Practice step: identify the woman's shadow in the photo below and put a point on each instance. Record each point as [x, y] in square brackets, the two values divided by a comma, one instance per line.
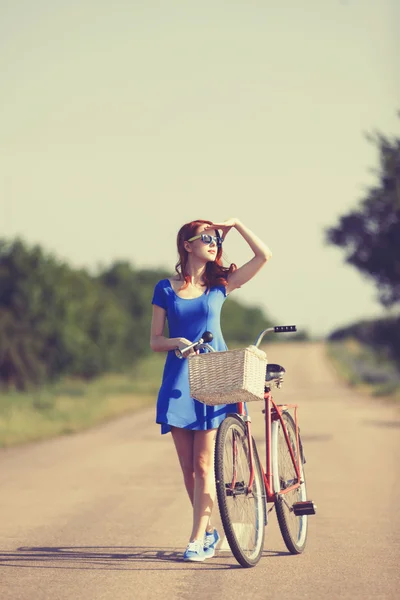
[118, 558]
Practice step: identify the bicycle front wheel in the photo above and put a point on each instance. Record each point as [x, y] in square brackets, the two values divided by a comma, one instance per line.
[243, 511]
[293, 528]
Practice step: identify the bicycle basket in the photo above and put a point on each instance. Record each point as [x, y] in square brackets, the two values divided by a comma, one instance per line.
[228, 377]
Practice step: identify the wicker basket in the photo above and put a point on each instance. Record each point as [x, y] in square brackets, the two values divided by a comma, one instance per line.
[228, 377]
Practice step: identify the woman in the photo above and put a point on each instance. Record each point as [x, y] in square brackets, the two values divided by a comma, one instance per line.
[191, 303]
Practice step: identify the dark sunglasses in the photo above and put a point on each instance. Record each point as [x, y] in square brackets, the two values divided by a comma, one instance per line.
[207, 239]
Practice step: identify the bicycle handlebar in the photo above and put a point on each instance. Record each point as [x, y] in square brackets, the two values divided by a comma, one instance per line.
[207, 337]
[276, 329]
[203, 342]
[285, 328]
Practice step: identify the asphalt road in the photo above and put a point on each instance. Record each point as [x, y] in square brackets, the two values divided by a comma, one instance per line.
[103, 514]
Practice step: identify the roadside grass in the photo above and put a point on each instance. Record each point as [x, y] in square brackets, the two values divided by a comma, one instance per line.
[365, 369]
[72, 405]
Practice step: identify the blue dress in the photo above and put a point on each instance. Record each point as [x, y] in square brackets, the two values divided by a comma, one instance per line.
[188, 318]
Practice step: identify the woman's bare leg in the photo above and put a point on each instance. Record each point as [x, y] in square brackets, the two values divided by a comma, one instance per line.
[204, 482]
[184, 441]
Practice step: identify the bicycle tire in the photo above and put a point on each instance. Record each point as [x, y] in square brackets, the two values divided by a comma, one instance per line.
[293, 528]
[245, 539]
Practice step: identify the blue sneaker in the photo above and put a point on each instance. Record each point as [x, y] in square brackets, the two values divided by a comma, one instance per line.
[194, 551]
[210, 542]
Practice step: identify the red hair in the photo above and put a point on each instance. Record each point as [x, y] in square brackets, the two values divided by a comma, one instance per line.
[215, 273]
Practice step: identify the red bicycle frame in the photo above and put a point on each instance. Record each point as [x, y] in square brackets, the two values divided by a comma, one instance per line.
[273, 412]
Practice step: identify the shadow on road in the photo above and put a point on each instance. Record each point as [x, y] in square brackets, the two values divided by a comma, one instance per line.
[113, 558]
[390, 424]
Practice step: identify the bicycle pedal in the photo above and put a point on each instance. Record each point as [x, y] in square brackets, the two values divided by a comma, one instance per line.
[304, 508]
[239, 490]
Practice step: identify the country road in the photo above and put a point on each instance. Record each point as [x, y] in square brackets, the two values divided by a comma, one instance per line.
[103, 514]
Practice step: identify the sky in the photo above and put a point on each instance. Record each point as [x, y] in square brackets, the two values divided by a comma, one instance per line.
[120, 121]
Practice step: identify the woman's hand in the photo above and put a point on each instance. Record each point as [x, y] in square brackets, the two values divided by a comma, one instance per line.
[225, 226]
[182, 343]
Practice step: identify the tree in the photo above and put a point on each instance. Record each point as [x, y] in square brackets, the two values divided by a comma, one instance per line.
[242, 324]
[133, 289]
[55, 320]
[370, 234]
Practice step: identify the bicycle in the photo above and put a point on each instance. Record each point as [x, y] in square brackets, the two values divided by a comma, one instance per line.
[244, 487]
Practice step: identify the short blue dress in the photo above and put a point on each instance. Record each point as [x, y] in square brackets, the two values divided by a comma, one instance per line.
[188, 318]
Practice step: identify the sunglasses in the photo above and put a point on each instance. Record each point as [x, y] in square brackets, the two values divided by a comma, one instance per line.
[207, 239]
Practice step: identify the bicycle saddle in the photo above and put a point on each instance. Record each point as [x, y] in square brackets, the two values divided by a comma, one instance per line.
[274, 372]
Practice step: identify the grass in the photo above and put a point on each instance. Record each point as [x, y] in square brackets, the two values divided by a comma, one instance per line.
[72, 405]
[365, 369]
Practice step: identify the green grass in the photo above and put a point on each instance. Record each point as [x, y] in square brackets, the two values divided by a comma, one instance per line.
[72, 405]
[365, 369]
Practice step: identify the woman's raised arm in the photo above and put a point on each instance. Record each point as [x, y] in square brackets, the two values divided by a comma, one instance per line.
[261, 253]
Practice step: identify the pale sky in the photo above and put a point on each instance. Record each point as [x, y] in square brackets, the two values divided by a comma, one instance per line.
[122, 120]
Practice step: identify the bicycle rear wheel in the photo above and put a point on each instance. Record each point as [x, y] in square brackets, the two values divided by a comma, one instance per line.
[293, 528]
[243, 512]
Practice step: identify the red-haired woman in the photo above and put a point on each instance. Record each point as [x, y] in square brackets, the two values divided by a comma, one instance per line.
[191, 302]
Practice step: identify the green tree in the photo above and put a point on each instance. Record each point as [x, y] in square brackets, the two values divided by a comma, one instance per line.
[370, 234]
[242, 324]
[134, 291]
[54, 319]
